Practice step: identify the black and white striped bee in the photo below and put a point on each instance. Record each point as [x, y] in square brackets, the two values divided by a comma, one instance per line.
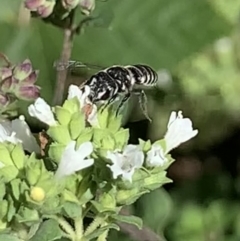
[110, 83]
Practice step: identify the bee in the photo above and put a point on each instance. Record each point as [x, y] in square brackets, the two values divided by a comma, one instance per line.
[108, 84]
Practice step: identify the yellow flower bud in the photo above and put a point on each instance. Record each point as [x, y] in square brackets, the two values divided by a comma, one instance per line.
[37, 194]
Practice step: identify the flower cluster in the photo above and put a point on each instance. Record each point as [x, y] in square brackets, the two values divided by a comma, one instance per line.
[88, 166]
[17, 82]
[44, 8]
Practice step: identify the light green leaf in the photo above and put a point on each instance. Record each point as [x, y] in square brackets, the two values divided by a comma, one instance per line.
[76, 125]
[59, 134]
[121, 137]
[85, 135]
[15, 185]
[9, 237]
[3, 208]
[55, 151]
[5, 155]
[18, 156]
[9, 172]
[72, 105]
[2, 188]
[62, 114]
[48, 231]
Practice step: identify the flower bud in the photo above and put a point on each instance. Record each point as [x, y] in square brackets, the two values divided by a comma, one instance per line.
[34, 4]
[4, 100]
[37, 194]
[5, 72]
[70, 4]
[22, 70]
[87, 6]
[32, 78]
[46, 9]
[31, 92]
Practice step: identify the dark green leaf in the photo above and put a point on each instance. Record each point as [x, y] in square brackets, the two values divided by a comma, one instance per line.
[48, 231]
[129, 219]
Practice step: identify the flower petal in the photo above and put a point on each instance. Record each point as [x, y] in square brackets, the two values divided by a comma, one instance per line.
[72, 160]
[85, 149]
[23, 132]
[42, 111]
[179, 130]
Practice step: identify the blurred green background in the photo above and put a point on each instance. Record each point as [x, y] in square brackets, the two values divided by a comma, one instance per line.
[195, 47]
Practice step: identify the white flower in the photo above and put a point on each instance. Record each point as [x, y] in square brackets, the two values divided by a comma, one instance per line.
[179, 130]
[23, 132]
[7, 135]
[74, 160]
[42, 111]
[74, 91]
[125, 163]
[18, 131]
[155, 156]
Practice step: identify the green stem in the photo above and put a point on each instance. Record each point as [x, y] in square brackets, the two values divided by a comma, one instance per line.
[65, 226]
[78, 223]
[93, 226]
[103, 236]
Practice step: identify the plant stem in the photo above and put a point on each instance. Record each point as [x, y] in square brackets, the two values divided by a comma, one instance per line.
[103, 236]
[78, 223]
[93, 226]
[62, 73]
[65, 226]
[69, 33]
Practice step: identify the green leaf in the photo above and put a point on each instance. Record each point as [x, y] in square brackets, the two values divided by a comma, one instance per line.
[85, 135]
[127, 197]
[9, 172]
[145, 145]
[27, 215]
[72, 105]
[59, 134]
[48, 231]
[114, 122]
[11, 209]
[2, 188]
[55, 151]
[121, 137]
[5, 155]
[72, 209]
[128, 219]
[103, 117]
[62, 114]
[33, 229]
[3, 208]
[99, 135]
[156, 180]
[174, 28]
[15, 185]
[9, 237]
[77, 124]
[100, 231]
[86, 197]
[18, 156]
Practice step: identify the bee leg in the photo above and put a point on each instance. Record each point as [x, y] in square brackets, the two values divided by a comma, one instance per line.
[124, 99]
[143, 103]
